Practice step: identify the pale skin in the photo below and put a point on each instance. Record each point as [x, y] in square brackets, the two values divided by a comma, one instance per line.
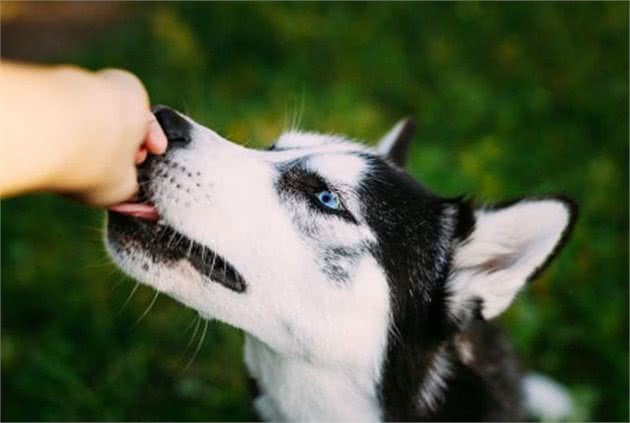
[74, 132]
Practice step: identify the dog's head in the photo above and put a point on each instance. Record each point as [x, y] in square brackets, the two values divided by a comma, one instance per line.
[321, 247]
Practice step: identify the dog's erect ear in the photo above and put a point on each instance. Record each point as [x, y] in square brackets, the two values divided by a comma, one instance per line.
[395, 144]
[508, 246]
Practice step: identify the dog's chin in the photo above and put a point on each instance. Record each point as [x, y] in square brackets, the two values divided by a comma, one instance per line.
[164, 246]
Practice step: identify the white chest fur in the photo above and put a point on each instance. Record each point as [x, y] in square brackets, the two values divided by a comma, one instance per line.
[295, 389]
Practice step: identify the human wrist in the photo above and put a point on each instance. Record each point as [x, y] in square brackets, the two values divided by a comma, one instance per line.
[40, 128]
[67, 89]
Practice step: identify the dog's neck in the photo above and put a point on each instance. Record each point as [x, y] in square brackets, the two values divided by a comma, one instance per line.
[295, 389]
[459, 381]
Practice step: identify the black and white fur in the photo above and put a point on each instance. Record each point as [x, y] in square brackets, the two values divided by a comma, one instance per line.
[379, 312]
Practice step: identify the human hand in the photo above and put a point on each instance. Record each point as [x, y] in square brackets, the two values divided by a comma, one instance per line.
[125, 135]
[75, 132]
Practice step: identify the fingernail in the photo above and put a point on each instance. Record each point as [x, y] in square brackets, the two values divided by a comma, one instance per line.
[157, 137]
[162, 140]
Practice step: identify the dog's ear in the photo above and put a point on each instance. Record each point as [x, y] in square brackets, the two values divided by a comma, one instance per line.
[395, 144]
[507, 246]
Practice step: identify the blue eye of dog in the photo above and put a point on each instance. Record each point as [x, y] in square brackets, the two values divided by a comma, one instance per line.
[329, 199]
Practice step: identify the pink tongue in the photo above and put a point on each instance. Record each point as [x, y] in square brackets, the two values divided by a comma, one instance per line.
[140, 210]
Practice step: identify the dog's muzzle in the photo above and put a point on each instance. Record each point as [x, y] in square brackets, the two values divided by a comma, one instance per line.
[136, 222]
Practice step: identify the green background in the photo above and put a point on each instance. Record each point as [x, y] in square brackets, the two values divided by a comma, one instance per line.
[511, 99]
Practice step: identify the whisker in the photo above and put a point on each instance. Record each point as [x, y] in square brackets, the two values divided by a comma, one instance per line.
[133, 291]
[199, 344]
[294, 115]
[192, 337]
[157, 293]
[214, 259]
[97, 264]
[286, 121]
[300, 115]
[203, 254]
[173, 237]
[119, 281]
[190, 247]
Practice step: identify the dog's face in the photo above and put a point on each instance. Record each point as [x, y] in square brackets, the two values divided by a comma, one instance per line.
[275, 242]
[321, 247]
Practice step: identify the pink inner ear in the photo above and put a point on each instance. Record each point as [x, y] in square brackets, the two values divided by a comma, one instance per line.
[497, 263]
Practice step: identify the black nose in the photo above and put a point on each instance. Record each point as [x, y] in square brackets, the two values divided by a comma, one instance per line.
[174, 125]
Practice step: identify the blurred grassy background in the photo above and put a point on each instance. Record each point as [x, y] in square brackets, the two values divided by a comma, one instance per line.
[511, 99]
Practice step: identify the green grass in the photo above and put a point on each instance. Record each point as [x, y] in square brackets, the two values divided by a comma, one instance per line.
[512, 99]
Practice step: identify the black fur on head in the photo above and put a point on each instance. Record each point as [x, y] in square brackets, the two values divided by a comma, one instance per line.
[414, 231]
[417, 235]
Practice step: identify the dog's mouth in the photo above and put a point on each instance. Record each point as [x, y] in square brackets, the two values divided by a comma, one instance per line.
[139, 210]
[136, 224]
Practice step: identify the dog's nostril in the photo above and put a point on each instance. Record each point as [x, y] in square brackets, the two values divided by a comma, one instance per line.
[178, 141]
[174, 125]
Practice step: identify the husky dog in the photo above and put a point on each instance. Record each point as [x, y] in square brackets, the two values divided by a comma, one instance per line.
[363, 295]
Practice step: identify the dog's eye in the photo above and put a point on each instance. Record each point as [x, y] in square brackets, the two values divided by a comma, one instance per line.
[329, 199]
